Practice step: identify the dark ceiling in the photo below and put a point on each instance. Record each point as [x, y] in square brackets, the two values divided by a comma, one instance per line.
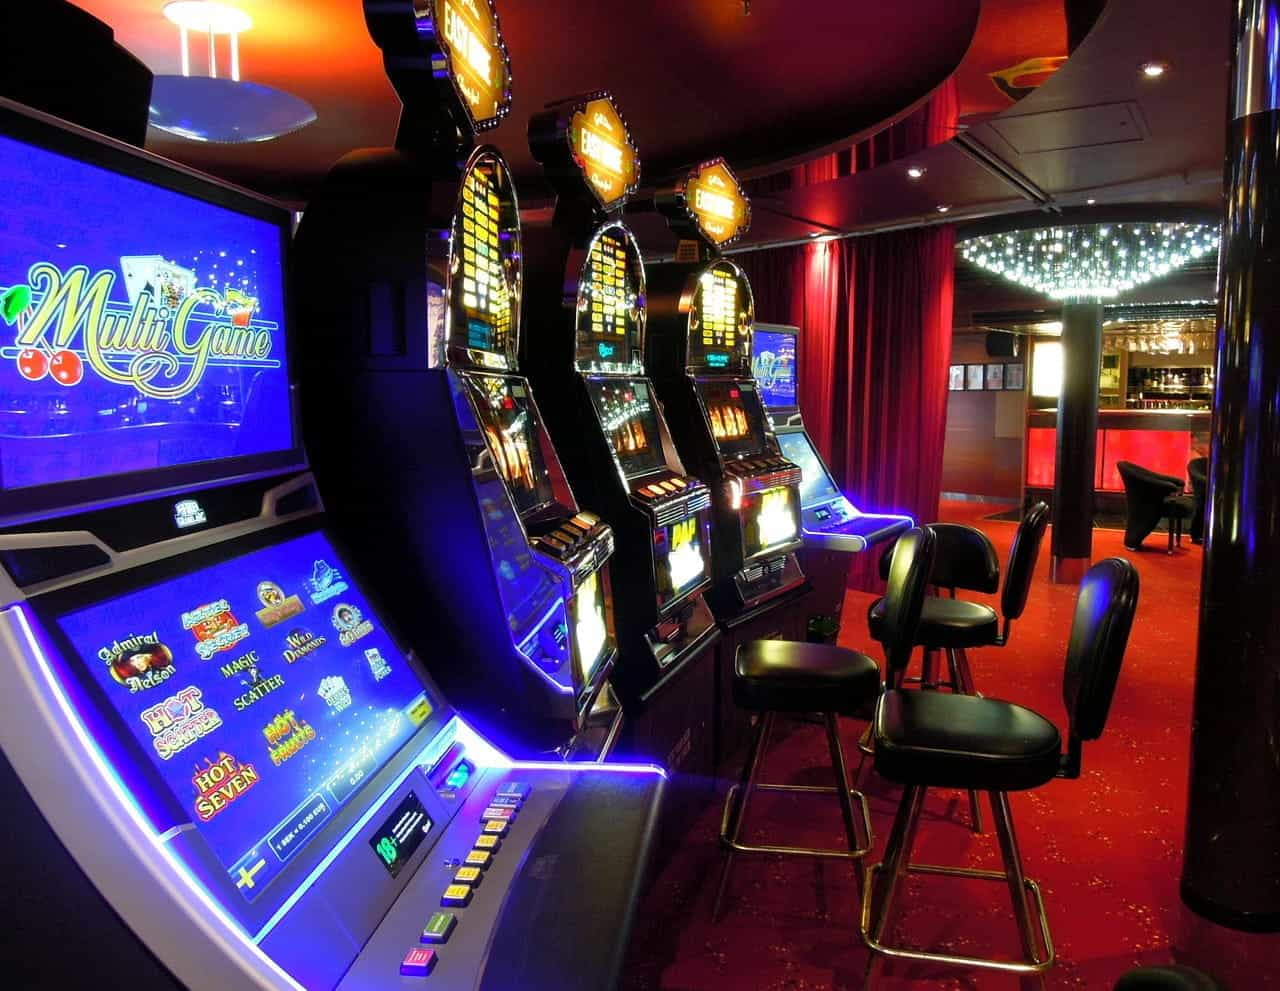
[693, 78]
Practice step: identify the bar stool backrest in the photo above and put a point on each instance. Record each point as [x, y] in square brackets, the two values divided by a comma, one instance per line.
[913, 558]
[966, 560]
[1022, 561]
[1099, 634]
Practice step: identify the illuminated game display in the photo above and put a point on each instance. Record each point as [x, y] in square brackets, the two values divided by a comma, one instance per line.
[720, 317]
[610, 299]
[511, 429]
[713, 199]
[773, 365]
[140, 328]
[603, 151]
[485, 275]
[627, 412]
[478, 64]
[263, 689]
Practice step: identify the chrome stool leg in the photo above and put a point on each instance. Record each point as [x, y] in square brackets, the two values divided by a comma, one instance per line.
[896, 857]
[735, 807]
[1030, 913]
[746, 782]
[961, 684]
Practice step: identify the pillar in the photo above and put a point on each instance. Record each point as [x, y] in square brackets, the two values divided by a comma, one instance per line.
[1073, 477]
[1231, 862]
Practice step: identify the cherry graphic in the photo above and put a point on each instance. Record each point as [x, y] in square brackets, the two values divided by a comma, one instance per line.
[66, 368]
[33, 365]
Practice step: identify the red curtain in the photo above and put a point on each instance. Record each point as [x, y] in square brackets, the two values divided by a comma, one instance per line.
[875, 316]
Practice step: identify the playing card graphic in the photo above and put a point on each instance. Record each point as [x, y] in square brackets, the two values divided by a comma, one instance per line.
[168, 284]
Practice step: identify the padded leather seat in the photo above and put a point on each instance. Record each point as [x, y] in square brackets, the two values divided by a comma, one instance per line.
[787, 676]
[964, 741]
[946, 623]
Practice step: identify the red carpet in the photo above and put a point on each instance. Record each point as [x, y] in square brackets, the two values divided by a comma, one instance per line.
[1106, 848]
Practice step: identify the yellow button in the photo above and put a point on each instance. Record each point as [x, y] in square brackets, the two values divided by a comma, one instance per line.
[497, 827]
[468, 875]
[479, 858]
[488, 842]
[456, 894]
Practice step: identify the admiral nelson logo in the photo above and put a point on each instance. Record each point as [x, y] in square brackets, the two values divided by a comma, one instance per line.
[325, 582]
[161, 342]
[350, 624]
[138, 662]
[215, 628]
[276, 606]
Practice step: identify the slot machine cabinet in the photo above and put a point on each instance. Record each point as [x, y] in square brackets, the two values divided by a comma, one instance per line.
[834, 528]
[584, 350]
[698, 350]
[221, 763]
[409, 283]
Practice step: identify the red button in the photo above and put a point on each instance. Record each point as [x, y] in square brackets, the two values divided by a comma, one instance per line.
[418, 962]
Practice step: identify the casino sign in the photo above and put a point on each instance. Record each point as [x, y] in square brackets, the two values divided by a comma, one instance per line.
[603, 151]
[475, 58]
[716, 203]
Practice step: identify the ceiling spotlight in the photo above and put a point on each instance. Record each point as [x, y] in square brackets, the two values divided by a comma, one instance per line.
[1154, 70]
[1090, 201]
[943, 208]
[208, 16]
[916, 171]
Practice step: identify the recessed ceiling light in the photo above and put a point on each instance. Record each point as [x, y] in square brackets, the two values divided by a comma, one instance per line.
[208, 16]
[916, 171]
[1154, 70]
[943, 208]
[1090, 201]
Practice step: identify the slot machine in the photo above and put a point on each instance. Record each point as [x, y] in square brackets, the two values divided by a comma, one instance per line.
[833, 527]
[410, 283]
[698, 350]
[585, 352]
[222, 765]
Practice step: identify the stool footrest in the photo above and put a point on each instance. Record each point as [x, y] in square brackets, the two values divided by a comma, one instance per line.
[1038, 964]
[864, 843]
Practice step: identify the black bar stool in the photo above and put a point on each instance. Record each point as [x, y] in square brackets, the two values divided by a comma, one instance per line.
[966, 560]
[940, 740]
[775, 677]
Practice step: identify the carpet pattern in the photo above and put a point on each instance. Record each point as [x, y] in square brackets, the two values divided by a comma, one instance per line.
[1106, 848]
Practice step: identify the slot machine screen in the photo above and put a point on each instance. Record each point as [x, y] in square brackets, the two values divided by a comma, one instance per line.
[264, 690]
[773, 366]
[733, 410]
[721, 316]
[485, 293]
[681, 557]
[512, 432]
[590, 627]
[610, 300]
[627, 412]
[816, 485]
[142, 320]
[770, 519]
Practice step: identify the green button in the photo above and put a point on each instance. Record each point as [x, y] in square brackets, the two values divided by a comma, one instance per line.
[439, 927]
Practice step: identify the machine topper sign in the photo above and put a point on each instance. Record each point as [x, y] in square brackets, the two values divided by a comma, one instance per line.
[717, 203]
[471, 38]
[602, 149]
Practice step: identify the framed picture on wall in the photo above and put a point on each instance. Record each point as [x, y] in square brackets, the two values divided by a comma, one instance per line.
[1015, 377]
[995, 376]
[973, 377]
[956, 382]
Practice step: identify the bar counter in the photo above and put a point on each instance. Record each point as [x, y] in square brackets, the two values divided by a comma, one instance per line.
[1162, 440]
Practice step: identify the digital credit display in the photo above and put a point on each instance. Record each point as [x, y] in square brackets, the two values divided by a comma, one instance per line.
[720, 320]
[140, 328]
[816, 485]
[611, 309]
[486, 245]
[263, 689]
[513, 435]
[629, 416]
[773, 366]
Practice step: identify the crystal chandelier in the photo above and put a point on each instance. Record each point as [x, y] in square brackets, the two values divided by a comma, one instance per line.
[1091, 261]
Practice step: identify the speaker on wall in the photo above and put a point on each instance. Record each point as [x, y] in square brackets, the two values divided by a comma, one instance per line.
[1001, 344]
